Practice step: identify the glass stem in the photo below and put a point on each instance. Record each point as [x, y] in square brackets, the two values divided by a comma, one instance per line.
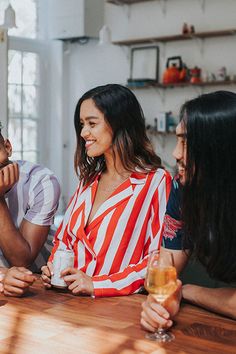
[161, 331]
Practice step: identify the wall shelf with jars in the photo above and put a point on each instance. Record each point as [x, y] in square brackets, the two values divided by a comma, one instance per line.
[177, 37]
[143, 85]
[126, 2]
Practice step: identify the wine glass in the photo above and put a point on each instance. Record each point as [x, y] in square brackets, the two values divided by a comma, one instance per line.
[161, 282]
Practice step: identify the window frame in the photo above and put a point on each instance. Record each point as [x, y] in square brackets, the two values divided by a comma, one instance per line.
[38, 47]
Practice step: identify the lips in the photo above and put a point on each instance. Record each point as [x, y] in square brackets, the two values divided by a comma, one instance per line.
[88, 143]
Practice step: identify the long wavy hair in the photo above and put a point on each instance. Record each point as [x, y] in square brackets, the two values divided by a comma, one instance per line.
[209, 194]
[124, 115]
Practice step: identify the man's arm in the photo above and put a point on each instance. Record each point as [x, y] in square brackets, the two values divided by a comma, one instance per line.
[221, 300]
[20, 246]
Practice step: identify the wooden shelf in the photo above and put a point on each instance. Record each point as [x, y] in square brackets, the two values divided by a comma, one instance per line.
[177, 37]
[181, 84]
[126, 2]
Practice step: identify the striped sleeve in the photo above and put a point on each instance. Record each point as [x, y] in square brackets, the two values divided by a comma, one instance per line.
[44, 199]
[131, 278]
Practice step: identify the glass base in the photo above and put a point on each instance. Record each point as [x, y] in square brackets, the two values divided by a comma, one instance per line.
[160, 336]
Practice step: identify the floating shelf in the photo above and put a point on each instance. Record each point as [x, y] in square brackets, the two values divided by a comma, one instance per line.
[181, 84]
[177, 37]
[126, 2]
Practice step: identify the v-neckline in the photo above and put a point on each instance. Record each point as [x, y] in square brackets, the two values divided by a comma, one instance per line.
[95, 185]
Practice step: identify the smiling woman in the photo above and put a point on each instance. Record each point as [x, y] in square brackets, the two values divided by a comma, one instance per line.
[115, 216]
[95, 131]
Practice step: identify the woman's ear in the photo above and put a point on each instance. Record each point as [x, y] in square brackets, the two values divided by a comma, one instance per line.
[8, 147]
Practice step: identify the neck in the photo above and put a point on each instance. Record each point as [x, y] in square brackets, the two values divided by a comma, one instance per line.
[115, 168]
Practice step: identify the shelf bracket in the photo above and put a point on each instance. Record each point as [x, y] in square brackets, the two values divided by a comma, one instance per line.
[163, 6]
[199, 90]
[127, 52]
[162, 46]
[127, 10]
[203, 5]
[162, 94]
[200, 43]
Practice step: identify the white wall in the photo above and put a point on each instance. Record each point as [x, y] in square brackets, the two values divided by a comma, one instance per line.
[88, 65]
[3, 79]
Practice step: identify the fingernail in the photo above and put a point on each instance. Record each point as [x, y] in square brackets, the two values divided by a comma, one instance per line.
[166, 315]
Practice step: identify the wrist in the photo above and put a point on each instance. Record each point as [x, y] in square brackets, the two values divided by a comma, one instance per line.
[190, 292]
[3, 272]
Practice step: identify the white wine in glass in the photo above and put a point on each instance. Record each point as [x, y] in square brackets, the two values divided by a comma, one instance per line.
[161, 282]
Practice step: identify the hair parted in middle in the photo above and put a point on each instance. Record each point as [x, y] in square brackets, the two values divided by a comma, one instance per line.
[124, 115]
[209, 194]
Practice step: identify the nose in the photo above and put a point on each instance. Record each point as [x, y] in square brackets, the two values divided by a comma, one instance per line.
[178, 151]
[84, 132]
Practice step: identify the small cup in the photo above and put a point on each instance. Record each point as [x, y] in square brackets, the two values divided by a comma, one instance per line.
[62, 260]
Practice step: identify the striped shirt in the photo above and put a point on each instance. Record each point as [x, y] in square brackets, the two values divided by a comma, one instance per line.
[34, 198]
[113, 248]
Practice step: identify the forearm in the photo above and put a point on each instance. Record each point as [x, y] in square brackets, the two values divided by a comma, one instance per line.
[13, 245]
[126, 282]
[221, 300]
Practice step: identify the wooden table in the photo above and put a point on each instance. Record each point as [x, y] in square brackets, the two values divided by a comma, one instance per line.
[48, 321]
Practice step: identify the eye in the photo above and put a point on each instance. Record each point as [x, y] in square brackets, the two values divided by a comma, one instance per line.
[92, 124]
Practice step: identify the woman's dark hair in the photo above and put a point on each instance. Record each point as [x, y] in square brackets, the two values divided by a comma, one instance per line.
[209, 194]
[124, 114]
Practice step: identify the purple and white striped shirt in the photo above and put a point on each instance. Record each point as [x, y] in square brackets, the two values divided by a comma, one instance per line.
[34, 197]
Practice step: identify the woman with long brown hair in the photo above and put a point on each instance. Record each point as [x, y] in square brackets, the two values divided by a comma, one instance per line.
[115, 216]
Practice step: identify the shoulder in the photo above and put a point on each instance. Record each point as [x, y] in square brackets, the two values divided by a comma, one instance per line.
[160, 176]
[35, 174]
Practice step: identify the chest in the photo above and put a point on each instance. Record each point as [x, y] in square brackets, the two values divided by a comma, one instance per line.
[100, 197]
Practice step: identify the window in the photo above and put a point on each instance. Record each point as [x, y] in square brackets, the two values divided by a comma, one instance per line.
[23, 105]
[24, 73]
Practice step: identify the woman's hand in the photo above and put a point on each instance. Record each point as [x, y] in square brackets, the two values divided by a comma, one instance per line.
[78, 282]
[47, 272]
[155, 315]
[17, 280]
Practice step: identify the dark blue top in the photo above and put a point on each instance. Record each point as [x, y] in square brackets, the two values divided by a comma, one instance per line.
[173, 226]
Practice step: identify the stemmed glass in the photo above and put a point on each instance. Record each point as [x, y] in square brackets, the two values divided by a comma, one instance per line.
[161, 282]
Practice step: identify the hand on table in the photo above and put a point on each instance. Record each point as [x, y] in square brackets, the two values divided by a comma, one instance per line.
[47, 272]
[9, 175]
[155, 315]
[16, 281]
[78, 282]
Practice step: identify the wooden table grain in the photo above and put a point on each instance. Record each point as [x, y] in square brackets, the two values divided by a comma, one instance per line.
[48, 322]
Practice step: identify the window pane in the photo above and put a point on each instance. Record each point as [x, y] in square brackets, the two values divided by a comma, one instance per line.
[30, 68]
[14, 100]
[14, 67]
[3, 6]
[30, 104]
[29, 135]
[16, 155]
[31, 156]
[14, 133]
[26, 18]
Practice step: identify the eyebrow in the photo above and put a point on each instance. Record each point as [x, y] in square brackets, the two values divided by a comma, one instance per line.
[88, 118]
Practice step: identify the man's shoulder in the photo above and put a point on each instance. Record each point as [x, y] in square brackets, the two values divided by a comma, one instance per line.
[33, 169]
[33, 174]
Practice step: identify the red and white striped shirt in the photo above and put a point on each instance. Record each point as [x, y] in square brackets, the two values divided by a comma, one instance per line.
[113, 248]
